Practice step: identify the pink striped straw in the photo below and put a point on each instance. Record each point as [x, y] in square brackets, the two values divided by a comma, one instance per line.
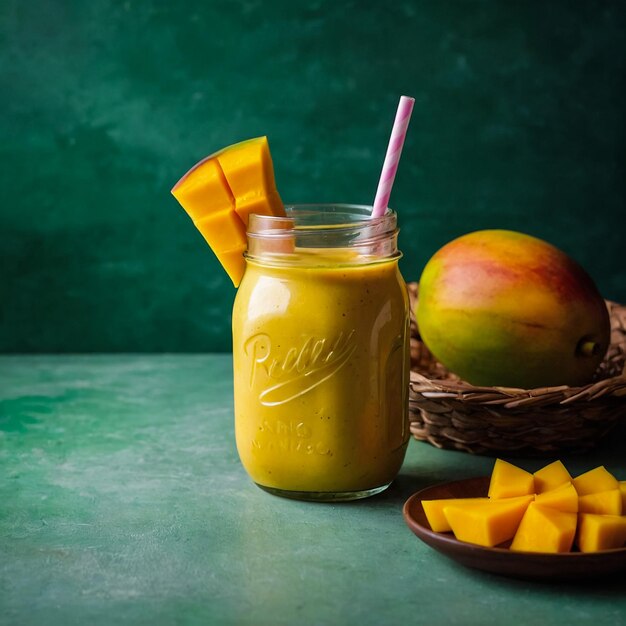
[394, 150]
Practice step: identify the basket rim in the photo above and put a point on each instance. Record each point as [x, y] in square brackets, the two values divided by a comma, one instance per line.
[512, 397]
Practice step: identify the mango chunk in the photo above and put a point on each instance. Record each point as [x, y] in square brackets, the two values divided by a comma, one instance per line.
[563, 498]
[595, 480]
[222, 230]
[622, 488]
[487, 523]
[435, 515]
[271, 204]
[220, 193]
[545, 530]
[551, 476]
[508, 481]
[204, 190]
[601, 503]
[234, 263]
[600, 532]
[249, 172]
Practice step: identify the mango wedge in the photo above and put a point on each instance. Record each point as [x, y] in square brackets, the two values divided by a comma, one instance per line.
[220, 193]
[545, 530]
[563, 498]
[508, 481]
[551, 476]
[487, 523]
[595, 480]
[435, 515]
[600, 532]
[603, 502]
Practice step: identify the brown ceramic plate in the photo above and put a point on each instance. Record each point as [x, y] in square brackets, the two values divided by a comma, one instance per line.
[500, 560]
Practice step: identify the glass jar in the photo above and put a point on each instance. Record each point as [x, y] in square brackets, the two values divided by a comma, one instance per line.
[321, 353]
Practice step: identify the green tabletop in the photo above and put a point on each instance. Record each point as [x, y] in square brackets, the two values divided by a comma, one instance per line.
[122, 501]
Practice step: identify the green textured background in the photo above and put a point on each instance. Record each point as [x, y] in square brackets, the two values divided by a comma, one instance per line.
[518, 123]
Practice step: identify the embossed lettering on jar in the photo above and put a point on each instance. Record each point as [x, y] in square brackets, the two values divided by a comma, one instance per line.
[320, 351]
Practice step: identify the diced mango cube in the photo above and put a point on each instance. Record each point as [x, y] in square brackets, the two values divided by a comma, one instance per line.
[234, 263]
[249, 172]
[622, 488]
[551, 476]
[545, 530]
[508, 481]
[203, 190]
[601, 503]
[595, 480]
[600, 532]
[223, 231]
[563, 498]
[487, 523]
[270, 204]
[435, 515]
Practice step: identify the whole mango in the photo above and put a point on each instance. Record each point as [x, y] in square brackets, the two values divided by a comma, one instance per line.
[501, 308]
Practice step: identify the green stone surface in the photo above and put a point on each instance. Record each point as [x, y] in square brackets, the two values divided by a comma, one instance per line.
[122, 501]
[518, 123]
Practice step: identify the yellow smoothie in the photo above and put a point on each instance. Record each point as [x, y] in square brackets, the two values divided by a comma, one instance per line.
[320, 352]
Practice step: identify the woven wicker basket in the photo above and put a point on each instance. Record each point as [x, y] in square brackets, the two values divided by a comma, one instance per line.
[450, 413]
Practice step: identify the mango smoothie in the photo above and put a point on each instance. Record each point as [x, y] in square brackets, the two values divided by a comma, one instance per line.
[320, 351]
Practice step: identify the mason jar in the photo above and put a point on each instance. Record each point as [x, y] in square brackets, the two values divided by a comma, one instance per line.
[321, 353]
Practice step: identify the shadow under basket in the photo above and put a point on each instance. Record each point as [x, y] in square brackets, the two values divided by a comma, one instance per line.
[451, 413]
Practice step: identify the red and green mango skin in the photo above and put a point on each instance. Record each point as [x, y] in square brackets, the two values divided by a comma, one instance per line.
[501, 308]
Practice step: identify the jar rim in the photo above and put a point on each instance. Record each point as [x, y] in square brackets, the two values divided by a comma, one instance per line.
[324, 231]
[306, 217]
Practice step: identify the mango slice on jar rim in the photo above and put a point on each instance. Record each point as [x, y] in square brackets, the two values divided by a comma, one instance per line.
[221, 191]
